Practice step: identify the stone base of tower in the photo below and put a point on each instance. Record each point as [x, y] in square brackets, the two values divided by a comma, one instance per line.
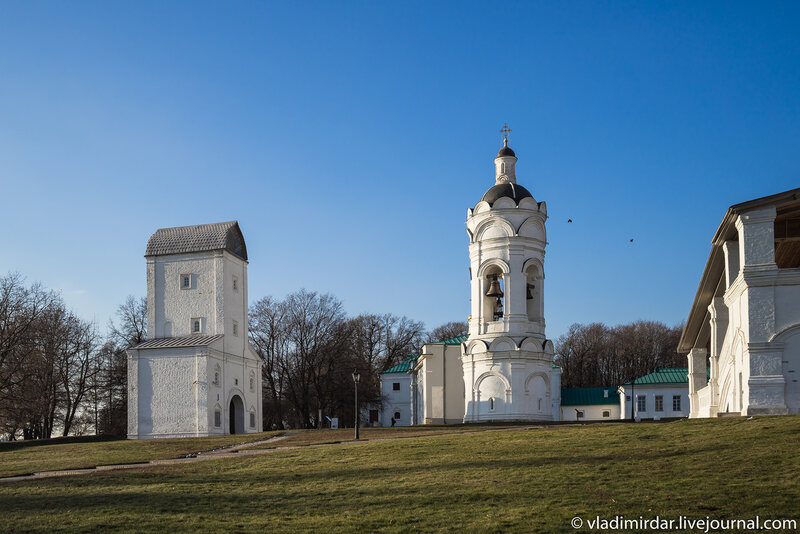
[511, 386]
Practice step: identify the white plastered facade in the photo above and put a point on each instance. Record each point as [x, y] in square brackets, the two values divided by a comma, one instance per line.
[396, 401]
[507, 363]
[744, 326]
[191, 379]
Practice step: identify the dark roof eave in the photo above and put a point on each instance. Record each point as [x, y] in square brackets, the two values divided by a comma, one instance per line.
[715, 268]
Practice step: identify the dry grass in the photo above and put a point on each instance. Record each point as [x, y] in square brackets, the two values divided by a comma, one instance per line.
[497, 481]
[22, 457]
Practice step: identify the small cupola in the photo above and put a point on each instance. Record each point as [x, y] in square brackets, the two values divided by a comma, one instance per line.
[505, 161]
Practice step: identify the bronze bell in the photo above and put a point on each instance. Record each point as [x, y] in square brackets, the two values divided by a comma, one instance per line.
[494, 289]
[498, 309]
[531, 287]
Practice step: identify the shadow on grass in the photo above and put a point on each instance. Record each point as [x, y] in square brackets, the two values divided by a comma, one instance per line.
[17, 445]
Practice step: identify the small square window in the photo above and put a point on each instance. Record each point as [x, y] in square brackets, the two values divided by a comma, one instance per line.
[606, 414]
[396, 415]
[235, 329]
[578, 414]
[197, 325]
[396, 386]
[186, 281]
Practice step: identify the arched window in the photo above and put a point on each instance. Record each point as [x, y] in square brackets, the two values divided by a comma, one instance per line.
[491, 403]
[217, 416]
[493, 300]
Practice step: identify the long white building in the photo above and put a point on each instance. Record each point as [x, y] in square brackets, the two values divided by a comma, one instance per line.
[744, 325]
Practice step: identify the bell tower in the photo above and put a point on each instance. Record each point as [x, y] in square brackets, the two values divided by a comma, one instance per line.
[508, 361]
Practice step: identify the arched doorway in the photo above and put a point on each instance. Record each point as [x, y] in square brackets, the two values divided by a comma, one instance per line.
[236, 416]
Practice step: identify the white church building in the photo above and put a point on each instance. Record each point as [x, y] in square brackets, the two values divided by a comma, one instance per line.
[196, 374]
[503, 369]
[507, 361]
[743, 332]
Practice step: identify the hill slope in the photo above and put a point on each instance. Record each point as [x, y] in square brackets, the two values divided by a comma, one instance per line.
[501, 480]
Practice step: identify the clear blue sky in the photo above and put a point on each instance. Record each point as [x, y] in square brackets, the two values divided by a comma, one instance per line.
[348, 140]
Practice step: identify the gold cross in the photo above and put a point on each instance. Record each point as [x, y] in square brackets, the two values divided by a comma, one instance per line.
[505, 131]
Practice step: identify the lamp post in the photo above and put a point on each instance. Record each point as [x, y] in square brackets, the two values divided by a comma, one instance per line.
[356, 378]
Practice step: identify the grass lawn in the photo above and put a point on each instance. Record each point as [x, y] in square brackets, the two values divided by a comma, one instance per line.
[21, 457]
[317, 437]
[502, 480]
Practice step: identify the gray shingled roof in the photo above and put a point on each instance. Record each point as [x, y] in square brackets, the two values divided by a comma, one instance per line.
[176, 342]
[199, 238]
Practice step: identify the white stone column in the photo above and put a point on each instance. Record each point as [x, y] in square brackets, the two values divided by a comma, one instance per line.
[133, 394]
[765, 385]
[757, 239]
[719, 327]
[151, 298]
[731, 251]
[697, 378]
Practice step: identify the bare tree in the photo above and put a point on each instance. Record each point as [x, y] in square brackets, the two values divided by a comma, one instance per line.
[447, 331]
[20, 309]
[595, 355]
[77, 365]
[131, 326]
[312, 322]
[269, 337]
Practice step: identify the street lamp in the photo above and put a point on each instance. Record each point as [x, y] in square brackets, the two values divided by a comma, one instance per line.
[356, 378]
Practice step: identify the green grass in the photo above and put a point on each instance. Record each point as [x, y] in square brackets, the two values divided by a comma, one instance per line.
[22, 457]
[502, 480]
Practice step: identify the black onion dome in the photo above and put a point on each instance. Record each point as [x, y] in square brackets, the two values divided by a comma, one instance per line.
[513, 191]
[505, 151]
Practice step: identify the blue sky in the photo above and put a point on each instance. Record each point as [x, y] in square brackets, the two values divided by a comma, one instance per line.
[348, 140]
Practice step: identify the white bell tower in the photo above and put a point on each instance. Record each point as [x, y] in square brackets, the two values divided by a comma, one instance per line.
[508, 361]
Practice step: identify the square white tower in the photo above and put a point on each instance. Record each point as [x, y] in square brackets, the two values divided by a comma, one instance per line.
[196, 375]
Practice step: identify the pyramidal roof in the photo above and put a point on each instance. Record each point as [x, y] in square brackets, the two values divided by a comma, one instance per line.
[198, 238]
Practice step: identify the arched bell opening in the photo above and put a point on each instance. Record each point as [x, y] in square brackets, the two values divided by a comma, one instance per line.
[534, 282]
[493, 294]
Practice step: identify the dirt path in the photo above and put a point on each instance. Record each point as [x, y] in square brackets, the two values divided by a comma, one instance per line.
[232, 451]
[229, 451]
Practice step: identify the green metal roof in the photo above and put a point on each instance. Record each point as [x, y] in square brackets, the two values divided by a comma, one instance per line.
[401, 367]
[588, 396]
[458, 340]
[678, 375]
